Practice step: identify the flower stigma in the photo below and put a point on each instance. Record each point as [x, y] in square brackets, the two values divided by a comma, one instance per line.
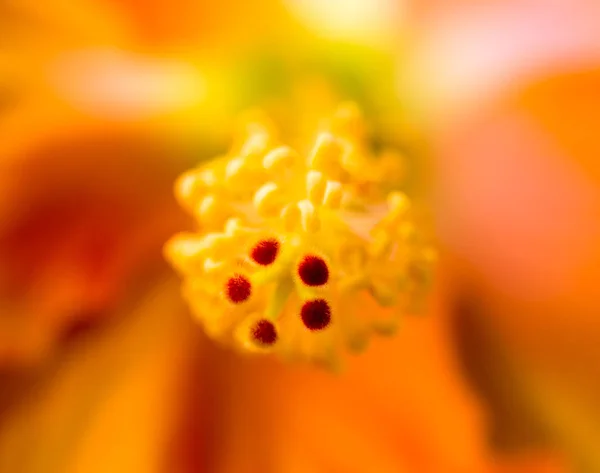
[316, 314]
[264, 332]
[301, 255]
[313, 271]
[265, 252]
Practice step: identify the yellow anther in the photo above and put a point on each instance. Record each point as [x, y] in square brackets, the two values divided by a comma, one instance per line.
[407, 232]
[212, 266]
[290, 217]
[185, 251]
[188, 189]
[191, 186]
[327, 153]
[235, 168]
[279, 159]
[353, 257]
[308, 217]
[267, 199]
[256, 145]
[242, 173]
[211, 210]
[315, 187]
[216, 243]
[383, 294]
[381, 245]
[233, 226]
[333, 195]
[398, 204]
[208, 178]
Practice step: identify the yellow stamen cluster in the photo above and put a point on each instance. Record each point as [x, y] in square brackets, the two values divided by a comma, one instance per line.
[300, 255]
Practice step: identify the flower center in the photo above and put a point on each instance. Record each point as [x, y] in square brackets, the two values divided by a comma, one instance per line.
[314, 253]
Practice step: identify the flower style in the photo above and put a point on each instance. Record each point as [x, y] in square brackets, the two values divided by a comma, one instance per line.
[292, 251]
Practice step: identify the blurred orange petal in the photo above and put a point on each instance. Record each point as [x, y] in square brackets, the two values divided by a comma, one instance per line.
[519, 207]
[402, 406]
[110, 402]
